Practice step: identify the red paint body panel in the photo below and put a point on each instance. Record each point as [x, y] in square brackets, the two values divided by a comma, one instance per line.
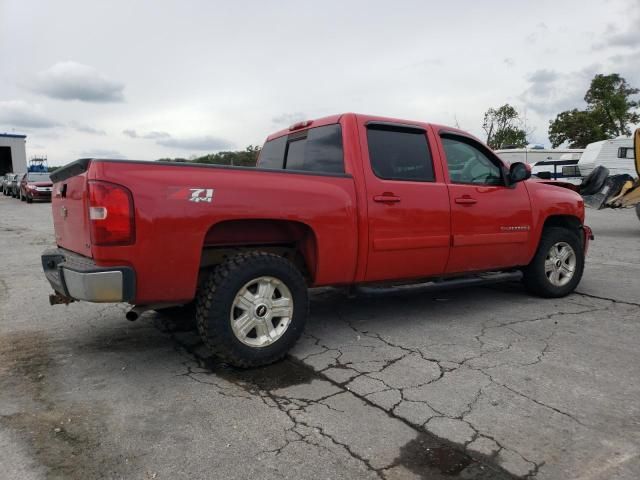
[345, 232]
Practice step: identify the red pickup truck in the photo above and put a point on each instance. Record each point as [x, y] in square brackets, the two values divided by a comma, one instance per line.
[343, 200]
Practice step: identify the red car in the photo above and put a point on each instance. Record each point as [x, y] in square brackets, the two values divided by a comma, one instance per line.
[343, 200]
[35, 186]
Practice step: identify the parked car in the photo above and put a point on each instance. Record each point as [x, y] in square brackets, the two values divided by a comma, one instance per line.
[14, 185]
[6, 183]
[343, 200]
[35, 186]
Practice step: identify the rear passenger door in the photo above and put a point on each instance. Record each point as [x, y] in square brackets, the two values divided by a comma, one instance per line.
[407, 202]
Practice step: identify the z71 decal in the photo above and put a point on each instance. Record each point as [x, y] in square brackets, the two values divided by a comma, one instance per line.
[201, 195]
[195, 195]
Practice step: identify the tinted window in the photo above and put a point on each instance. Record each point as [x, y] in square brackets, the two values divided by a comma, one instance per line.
[315, 150]
[400, 154]
[467, 163]
[272, 153]
[295, 154]
[626, 152]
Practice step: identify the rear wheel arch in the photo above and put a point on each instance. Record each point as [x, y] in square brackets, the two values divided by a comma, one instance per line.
[296, 241]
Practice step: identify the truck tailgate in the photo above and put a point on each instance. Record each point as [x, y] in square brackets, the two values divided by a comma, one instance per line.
[70, 218]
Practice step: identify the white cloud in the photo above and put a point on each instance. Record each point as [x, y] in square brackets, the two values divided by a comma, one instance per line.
[80, 127]
[286, 119]
[75, 81]
[18, 113]
[201, 143]
[102, 153]
[153, 135]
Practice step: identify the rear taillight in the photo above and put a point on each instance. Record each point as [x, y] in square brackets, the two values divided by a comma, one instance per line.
[110, 214]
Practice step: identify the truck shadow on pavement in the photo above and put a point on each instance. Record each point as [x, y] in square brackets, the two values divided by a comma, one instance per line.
[426, 455]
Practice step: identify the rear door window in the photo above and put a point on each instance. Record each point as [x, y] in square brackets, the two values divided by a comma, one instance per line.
[314, 150]
[399, 154]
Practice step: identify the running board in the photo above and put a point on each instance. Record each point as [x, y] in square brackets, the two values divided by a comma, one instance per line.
[443, 284]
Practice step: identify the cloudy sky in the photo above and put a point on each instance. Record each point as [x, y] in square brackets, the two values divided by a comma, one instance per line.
[151, 79]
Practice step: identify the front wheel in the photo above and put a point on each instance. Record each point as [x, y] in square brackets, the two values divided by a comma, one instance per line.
[556, 268]
[252, 309]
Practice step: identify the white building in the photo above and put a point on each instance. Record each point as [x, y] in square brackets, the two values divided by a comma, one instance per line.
[13, 155]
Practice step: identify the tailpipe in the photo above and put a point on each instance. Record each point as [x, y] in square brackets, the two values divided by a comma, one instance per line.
[133, 314]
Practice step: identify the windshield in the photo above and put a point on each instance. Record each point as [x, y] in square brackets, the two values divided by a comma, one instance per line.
[38, 177]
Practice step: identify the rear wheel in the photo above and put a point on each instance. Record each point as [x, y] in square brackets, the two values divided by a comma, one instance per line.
[556, 268]
[252, 309]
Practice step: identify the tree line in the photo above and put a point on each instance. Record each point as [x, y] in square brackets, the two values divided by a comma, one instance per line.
[239, 158]
[611, 112]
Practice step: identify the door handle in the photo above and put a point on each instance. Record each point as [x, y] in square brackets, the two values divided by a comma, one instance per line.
[386, 198]
[466, 200]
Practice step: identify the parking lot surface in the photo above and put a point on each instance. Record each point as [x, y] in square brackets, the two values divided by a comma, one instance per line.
[475, 383]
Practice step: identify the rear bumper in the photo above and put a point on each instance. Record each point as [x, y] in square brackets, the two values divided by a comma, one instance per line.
[79, 278]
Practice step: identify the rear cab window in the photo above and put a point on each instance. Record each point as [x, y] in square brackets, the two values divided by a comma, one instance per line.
[316, 149]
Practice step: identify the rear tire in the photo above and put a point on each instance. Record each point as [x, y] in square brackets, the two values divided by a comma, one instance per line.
[252, 309]
[557, 267]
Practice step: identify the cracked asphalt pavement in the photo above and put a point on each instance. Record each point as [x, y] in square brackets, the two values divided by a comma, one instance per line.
[475, 383]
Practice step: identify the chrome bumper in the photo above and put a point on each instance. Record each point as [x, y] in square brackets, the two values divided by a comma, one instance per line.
[79, 278]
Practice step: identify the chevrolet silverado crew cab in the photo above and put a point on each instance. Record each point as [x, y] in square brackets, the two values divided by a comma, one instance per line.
[339, 201]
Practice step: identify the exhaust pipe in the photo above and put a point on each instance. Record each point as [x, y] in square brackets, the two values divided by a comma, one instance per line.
[133, 314]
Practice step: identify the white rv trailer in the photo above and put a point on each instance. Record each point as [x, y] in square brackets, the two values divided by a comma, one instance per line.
[535, 155]
[616, 154]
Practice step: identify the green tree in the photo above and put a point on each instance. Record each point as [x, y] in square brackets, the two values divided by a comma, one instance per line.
[240, 158]
[503, 126]
[608, 98]
[610, 113]
[576, 127]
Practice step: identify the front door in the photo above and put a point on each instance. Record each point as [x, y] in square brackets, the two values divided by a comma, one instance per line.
[490, 221]
[407, 203]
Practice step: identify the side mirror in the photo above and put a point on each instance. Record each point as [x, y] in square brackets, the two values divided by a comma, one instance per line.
[519, 171]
